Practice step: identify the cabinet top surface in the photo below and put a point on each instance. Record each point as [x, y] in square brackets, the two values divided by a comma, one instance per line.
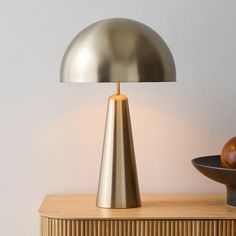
[153, 207]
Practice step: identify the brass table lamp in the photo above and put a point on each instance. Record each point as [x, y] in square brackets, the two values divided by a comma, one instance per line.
[118, 50]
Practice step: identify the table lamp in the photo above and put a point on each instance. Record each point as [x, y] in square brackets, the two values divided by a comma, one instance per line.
[118, 50]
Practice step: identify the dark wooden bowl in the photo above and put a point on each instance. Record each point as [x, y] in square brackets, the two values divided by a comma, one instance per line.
[211, 167]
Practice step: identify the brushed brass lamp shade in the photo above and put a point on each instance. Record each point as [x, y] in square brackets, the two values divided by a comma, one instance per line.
[118, 50]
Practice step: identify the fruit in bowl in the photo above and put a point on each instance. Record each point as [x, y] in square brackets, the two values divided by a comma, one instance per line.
[228, 154]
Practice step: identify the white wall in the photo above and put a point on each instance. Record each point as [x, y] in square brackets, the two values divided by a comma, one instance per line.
[51, 133]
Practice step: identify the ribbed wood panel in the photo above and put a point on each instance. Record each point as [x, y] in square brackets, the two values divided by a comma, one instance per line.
[60, 227]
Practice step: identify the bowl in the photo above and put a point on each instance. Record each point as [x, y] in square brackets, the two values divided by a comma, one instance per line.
[210, 166]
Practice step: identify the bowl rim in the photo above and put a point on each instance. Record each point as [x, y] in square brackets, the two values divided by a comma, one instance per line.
[211, 167]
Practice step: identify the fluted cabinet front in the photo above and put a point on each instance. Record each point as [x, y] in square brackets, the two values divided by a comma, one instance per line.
[72, 227]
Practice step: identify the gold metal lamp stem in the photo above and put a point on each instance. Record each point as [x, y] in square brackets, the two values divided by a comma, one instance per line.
[118, 182]
[118, 88]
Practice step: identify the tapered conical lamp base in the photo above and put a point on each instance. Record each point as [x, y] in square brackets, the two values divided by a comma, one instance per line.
[118, 182]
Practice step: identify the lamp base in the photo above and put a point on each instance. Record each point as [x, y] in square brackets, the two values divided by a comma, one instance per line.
[118, 182]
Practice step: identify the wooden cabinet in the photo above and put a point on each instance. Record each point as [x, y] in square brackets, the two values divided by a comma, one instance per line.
[160, 215]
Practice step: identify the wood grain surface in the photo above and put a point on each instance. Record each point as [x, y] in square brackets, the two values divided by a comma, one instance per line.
[153, 207]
